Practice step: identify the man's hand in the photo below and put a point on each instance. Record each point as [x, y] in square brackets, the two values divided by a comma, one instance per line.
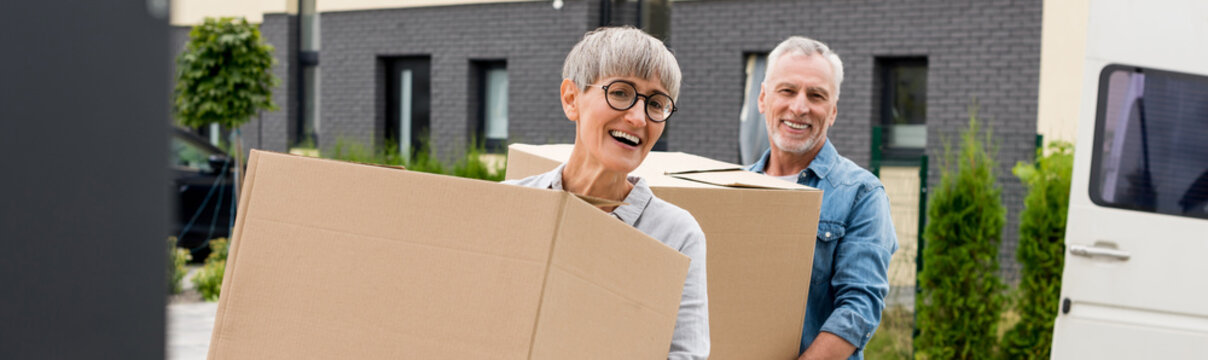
[828, 346]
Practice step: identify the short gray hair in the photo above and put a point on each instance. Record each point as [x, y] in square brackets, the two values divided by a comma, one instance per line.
[621, 51]
[803, 45]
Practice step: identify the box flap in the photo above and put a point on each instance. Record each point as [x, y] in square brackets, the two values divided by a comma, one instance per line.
[739, 178]
[659, 169]
[604, 276]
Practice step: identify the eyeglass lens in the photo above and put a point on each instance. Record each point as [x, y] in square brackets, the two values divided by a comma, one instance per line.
[622, 96]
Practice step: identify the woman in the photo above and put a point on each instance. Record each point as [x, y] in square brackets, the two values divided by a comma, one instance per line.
[618, 87]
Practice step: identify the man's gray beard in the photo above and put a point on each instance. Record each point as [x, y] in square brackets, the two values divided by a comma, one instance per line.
[780, 144]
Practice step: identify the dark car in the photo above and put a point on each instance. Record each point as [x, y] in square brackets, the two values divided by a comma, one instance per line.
[202, 182]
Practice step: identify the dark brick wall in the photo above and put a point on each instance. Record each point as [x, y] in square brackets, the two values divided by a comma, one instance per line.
[984, 50]
[273, 130]
[531, 36]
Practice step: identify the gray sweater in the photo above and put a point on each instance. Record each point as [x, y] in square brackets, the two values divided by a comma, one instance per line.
[676, 228]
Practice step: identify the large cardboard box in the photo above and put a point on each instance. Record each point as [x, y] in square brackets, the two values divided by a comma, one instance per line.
[760, 235]
[334, 260]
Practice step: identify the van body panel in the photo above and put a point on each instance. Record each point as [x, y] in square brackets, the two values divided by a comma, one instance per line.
[1134, 281]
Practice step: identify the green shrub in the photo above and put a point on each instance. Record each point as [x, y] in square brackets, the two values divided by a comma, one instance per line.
[962, 296]
[469, 166]
[208, 279]
[177, 258]
[1041, 251]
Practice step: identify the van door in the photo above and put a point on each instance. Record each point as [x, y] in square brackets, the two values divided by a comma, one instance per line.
[1135, 283]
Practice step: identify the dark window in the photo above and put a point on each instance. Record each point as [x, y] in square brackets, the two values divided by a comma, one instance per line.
[408, 99]
[752, 128]
[491, 90]
[655, 18]
[903, 106]
[1151, 141]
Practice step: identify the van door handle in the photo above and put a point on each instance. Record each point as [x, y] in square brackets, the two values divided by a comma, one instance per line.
[1094, 251]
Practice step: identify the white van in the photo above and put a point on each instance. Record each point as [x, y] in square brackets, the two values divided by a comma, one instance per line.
[1135, 284]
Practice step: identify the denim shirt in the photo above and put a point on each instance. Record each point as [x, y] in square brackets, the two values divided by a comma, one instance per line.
[851, 255]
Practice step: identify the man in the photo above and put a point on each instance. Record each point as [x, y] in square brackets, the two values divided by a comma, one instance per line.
[798, 98]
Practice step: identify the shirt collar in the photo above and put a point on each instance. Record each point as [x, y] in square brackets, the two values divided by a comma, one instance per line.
[635, 202]
[820, 166]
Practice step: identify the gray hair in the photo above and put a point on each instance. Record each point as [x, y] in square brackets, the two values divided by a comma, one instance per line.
[803, 45]
[621, 51]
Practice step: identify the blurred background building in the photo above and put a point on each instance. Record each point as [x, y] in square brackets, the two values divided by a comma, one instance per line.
[444, 74]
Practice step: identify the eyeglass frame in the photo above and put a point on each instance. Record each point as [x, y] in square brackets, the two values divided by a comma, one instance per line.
[645, 99]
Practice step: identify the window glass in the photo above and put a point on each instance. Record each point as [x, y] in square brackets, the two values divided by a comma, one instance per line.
[497, 104]
[752, 129]
[190, 156]
[904, 105]
[489, 104]
[1151, 142]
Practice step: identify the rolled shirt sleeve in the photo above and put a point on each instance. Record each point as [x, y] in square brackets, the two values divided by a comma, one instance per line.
[860, 280]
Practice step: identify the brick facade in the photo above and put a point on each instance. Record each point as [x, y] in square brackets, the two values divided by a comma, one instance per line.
[984, 51]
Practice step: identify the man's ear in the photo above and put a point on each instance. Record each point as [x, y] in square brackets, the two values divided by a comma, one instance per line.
[569, 95]
[761, 94]
[833, 115]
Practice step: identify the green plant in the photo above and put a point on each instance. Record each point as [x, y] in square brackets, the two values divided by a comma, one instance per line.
[208, 279]
[223, 75]
[471, 166]
[177, 258]
[892, 339]
[1041, 251]
[962, 297]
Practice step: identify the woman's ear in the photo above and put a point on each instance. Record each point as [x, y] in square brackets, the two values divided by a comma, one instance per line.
[570, 94]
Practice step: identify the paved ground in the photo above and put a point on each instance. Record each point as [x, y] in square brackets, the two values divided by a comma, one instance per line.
[190, 321]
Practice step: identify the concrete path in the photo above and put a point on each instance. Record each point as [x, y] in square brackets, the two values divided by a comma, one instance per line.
[190, 322]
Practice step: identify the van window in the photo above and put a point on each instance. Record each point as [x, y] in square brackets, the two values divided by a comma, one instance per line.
[1151, 142]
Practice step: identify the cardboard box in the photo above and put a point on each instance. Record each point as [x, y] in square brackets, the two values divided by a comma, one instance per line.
[760, 235]
[339, 260]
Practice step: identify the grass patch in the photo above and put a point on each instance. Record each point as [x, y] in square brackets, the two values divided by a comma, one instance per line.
[894, 338]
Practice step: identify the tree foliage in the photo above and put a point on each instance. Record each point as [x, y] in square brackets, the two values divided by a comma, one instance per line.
[223, 75]
[1041, 251]
[962, 296]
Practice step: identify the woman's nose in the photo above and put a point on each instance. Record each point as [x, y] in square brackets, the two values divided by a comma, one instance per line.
[636, 115]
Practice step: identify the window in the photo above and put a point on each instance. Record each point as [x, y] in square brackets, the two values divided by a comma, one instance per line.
[903, 107]
[408, 102]
[752, 130]
[492, 108]
[1151, 142]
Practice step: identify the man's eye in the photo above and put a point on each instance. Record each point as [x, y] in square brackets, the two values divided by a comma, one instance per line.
[787, 91]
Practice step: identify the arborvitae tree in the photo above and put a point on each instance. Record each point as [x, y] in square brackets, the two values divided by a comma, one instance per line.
[962, 295]
[1041, 251]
